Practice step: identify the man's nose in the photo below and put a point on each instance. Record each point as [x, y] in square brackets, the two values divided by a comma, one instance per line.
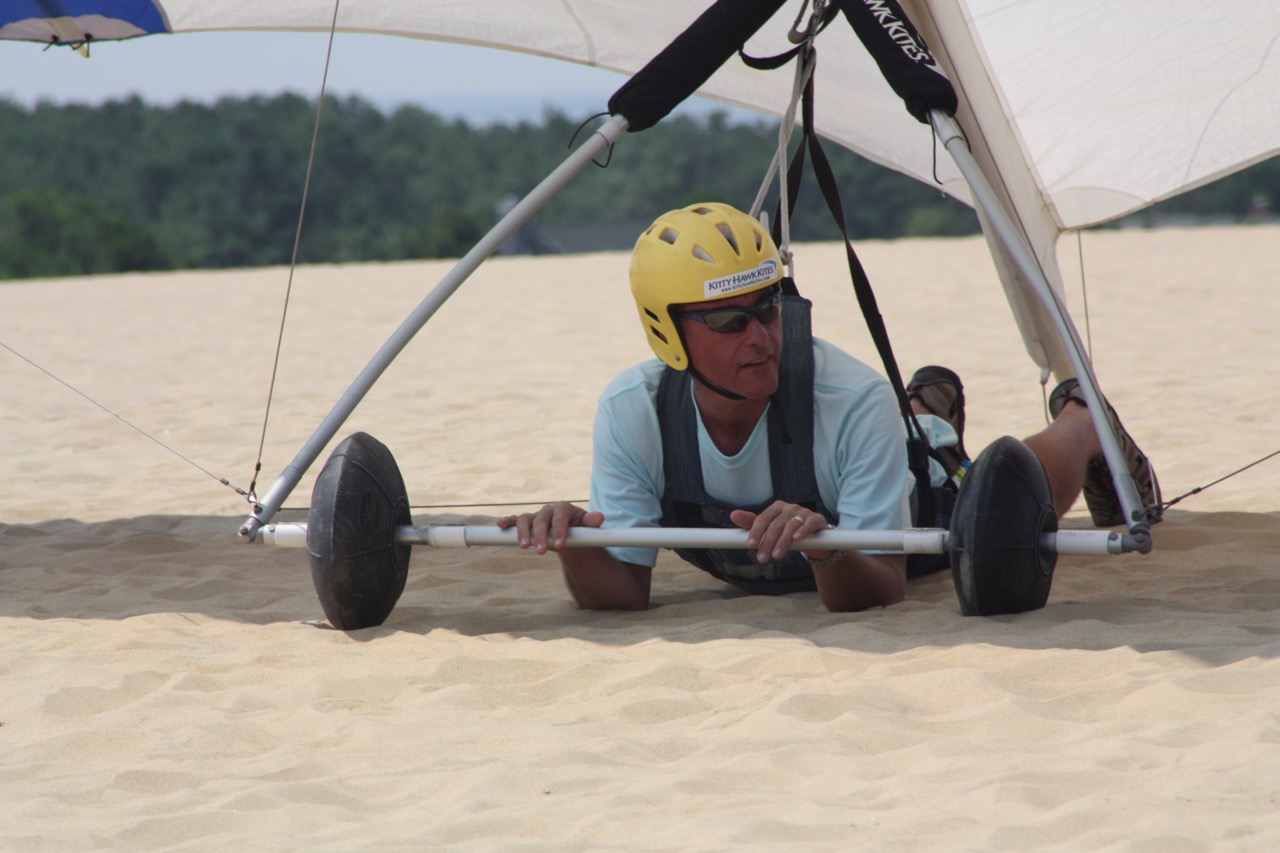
[755, 327]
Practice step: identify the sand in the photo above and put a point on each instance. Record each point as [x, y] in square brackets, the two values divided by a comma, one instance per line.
[166, 687]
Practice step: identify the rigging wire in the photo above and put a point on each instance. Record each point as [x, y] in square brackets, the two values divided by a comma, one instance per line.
[806, 62]
[473, 505]
[1084, 293]
[804, 71]
[1088, 327]
[1198, 489]
[223, 480]
[251, 496]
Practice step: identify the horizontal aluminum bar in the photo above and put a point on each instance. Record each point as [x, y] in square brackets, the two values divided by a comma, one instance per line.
[916, 541]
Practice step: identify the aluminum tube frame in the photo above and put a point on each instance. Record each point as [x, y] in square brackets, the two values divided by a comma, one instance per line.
[948, 132]
[914, 541]
[600, 140]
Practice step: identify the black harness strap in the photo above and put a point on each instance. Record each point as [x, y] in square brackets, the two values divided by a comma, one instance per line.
[685, 502]
[918, 449]
[790, 420]
[793, 404]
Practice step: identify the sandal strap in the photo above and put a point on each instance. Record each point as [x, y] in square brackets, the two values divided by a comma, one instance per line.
[942, 393]
[1068, 389]
[1099, 489]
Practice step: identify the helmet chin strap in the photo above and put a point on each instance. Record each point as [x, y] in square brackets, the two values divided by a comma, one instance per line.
[697, 374]
[723, 392]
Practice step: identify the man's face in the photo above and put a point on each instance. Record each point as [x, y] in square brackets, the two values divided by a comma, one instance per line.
[744, 362]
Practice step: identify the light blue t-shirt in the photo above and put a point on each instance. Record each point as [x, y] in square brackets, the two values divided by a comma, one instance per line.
[859, 451]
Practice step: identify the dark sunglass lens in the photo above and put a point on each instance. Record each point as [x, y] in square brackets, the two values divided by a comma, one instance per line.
[728, 322]
[768, 312]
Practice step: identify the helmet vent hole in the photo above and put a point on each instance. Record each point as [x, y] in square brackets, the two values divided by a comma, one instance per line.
[669, 235]
[729, 237]
[703, 255]
[652, 316]
[658, 334]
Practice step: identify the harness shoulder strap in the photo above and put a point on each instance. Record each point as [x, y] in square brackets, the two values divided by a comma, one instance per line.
[677, 421]
[791, 415]
[918, 449]
[790, 421]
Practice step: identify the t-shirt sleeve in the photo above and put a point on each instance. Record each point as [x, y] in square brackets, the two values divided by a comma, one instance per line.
[626, 465]
[865, 464]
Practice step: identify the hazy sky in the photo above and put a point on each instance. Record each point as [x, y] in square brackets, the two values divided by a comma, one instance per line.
[478, 84]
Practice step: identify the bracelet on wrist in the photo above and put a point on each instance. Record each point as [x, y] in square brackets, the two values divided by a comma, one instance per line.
[829, 560]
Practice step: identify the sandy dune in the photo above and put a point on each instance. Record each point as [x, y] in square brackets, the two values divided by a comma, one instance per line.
[167, 687]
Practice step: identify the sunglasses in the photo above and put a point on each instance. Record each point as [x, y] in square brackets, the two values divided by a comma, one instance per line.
[731, 321]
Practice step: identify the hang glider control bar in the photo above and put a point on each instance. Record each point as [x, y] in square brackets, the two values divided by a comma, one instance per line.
[915, 541]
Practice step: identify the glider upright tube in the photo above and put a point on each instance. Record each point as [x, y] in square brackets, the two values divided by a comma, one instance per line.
[601, 139]
[984, 196]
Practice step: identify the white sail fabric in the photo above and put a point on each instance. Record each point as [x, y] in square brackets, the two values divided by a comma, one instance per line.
[1078, 112]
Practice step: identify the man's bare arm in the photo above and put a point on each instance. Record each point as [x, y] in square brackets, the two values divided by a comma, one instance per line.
[596, 579]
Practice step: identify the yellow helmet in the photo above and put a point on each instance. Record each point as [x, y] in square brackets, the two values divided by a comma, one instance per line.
[697, 254]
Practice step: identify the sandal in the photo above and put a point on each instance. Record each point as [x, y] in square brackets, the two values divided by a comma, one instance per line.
[940, 391]
[1099, 490]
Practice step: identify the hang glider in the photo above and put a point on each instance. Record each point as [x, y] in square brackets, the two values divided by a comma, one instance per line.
[1108, 106]
[1078, 113]
[1063, 115]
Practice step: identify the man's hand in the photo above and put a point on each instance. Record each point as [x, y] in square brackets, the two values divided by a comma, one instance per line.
[853, 581]
[547, 529]
[774, 529]
[595, 579]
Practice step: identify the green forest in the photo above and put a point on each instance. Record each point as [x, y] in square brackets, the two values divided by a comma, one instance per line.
[127, 186]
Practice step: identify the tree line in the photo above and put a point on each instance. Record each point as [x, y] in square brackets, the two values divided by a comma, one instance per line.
[131, 186]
